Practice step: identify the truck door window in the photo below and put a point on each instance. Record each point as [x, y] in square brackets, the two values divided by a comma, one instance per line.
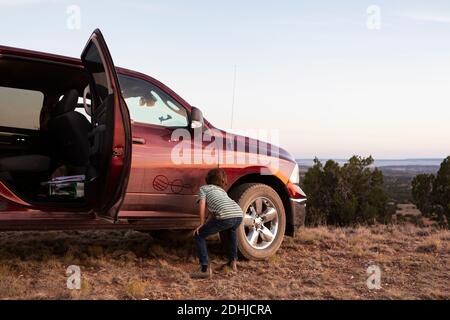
[20, 108]
[149, 104]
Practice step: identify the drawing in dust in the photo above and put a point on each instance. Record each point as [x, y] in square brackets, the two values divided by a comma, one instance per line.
[161, 183]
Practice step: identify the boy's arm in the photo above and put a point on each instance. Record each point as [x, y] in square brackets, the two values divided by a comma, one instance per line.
[202, 211]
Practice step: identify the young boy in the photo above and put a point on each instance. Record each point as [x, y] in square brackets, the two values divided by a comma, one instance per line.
[226, 217]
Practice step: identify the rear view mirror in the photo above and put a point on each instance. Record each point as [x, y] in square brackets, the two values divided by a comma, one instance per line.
[87, 100]
[196, 118]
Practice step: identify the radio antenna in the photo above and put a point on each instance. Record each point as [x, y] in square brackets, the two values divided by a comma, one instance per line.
[234, 93]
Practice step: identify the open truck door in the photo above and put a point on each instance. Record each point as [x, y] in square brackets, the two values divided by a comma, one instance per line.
[110, 153]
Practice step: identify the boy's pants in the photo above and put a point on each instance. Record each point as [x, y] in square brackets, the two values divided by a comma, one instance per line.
[213, 226]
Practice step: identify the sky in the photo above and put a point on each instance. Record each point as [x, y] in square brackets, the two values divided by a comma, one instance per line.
[332, 78]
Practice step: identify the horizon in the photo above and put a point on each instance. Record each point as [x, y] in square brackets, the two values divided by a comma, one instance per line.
[378, 159]
[382, 163]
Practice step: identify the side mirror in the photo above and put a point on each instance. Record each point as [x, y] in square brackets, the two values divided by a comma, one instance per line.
[196, 118]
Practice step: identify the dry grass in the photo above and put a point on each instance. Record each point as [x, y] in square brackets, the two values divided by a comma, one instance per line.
[319, 263]
[135, 289]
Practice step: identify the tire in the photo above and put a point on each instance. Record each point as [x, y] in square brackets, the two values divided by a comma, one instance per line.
[245, 195]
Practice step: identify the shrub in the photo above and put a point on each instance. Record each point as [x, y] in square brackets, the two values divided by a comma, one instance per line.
[431, 194]
[345, 195]
[422, 190]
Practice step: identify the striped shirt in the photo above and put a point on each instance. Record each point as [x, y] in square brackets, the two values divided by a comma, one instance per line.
[219, 203]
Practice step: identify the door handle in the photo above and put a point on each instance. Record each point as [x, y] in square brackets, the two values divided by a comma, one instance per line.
[137, 140]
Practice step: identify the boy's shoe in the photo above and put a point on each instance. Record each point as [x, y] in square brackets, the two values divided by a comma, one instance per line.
[229, 267]
[233, 265]
[199, 274]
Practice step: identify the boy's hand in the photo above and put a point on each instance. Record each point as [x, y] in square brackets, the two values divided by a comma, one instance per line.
[195, 233]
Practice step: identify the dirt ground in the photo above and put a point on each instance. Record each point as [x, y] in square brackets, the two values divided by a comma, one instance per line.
[319, 263]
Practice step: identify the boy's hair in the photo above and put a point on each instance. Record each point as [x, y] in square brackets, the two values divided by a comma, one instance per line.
[217, 177]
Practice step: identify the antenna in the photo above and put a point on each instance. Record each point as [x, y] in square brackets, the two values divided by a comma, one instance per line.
[234, 92]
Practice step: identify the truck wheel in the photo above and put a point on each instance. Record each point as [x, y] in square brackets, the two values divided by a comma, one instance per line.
[262, 230]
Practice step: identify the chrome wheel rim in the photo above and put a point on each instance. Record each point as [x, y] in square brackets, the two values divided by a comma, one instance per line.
[260, 223]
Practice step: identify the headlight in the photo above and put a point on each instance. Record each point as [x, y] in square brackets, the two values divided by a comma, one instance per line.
[295, 175]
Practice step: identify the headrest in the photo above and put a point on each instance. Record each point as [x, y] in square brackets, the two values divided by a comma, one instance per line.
[68, 103]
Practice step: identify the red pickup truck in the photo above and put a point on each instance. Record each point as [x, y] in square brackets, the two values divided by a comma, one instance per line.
[86, 145]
